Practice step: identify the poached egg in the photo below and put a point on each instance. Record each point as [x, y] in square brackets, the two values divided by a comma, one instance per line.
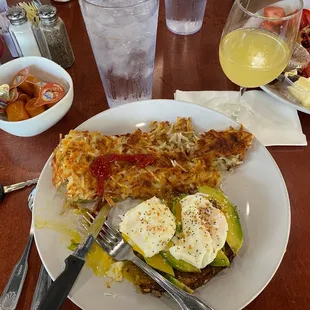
[150, 225]
[204, 231]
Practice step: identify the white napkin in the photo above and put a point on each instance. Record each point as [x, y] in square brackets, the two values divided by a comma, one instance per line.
[272, 122]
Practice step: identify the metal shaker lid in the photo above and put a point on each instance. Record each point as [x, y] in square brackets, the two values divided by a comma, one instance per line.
[48, 13]
[17, 15]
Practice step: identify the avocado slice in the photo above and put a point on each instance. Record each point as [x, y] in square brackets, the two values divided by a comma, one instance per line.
[156, 261]
[177, 211]
[178, 264]
[73, 245]
[235, 234]
[221, 260]
[159, 263]
[178, 283]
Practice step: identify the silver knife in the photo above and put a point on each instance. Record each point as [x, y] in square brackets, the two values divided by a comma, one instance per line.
[43, 284]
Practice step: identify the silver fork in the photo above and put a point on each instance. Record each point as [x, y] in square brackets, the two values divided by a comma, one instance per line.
[113, 243]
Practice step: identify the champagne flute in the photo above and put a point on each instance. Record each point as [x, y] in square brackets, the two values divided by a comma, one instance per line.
[256, 45]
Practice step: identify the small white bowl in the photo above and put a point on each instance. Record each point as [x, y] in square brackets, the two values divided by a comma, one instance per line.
[45, 70]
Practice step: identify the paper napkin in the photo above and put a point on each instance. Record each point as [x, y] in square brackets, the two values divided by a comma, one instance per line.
[272, 122]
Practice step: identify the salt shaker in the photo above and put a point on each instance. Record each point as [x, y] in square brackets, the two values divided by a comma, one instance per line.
[22, 33]
[54, 31]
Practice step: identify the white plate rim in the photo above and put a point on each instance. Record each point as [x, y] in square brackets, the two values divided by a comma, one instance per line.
[286, 101]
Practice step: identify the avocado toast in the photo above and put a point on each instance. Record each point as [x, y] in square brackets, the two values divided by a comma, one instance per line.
[184, 275]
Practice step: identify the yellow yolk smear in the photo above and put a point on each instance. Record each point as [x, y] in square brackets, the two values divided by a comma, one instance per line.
[62, 229]
[98, 260]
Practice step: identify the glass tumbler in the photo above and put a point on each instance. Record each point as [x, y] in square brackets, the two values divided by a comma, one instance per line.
[185, 17]
[123, 38]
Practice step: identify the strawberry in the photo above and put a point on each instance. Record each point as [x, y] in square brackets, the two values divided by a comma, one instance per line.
[304, 37]
[269, 26]
[306, 72]
[305, 19]
[274, 12]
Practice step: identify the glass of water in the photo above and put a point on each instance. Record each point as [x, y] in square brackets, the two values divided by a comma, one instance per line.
[185, 16]
[123, 38]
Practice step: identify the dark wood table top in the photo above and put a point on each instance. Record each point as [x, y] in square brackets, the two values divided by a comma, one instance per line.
[185, 63]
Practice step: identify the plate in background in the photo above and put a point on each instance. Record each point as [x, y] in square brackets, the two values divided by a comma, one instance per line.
[279, 90]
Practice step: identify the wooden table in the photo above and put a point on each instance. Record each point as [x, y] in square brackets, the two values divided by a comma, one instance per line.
[186, 63]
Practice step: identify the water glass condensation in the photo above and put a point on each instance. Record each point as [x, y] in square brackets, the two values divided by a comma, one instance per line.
[185, 17]
[123, 38]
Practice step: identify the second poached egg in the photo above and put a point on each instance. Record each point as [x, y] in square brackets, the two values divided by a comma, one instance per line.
[204, 231]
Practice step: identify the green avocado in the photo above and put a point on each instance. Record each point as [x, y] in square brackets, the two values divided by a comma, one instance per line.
[177, 211]
[178, 264]
[235, 234]
[178, 283]
[221, 260]
[73, 245]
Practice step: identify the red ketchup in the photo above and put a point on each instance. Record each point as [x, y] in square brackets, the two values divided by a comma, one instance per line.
[101, 166]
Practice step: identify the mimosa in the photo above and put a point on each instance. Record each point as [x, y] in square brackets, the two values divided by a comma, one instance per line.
[253, 57]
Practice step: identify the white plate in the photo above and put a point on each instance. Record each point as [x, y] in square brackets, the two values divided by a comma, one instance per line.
[279, 91]
[257, 188]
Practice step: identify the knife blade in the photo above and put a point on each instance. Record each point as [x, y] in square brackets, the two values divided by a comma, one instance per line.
[61, 287]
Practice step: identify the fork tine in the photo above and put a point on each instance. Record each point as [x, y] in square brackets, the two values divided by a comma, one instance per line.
[85, 226]
[90, 215]
[107, 237]
[106, 228]
[112, 229]
[89, 222]
[110, 240]
[104, 239]
[106, 232]
[109, 234]
[106, 247]
[105, 244]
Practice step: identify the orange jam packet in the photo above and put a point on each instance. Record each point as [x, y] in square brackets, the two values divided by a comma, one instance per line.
[16, 111]
[32, 109]
[5, 92]
[13, 94]
[24, 97]
[50, 94]
[26, 83]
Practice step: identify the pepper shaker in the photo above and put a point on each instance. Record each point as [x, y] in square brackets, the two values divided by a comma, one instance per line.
[22, 32]
[55, 34]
